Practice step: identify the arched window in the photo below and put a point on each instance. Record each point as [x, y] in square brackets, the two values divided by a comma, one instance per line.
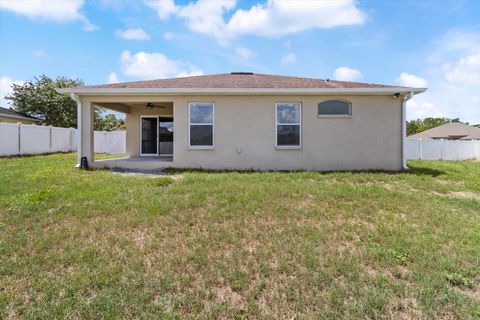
[335, 108]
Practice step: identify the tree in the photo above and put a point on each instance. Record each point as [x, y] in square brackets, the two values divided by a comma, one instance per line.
[419, 125]
[109, 122]
[38, 98]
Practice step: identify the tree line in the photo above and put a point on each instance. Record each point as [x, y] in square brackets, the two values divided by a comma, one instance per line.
[39, 98]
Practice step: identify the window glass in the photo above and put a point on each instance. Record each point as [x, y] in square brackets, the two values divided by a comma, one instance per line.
[288, 135]
[201, 135]
[149, 136]
[288, 113]
[165, 132]
[288, 124]
[201, 113]
[201, 124]
[334, 107]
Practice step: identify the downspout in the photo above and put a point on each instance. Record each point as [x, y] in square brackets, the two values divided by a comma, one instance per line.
[75, 98]
[407, 97]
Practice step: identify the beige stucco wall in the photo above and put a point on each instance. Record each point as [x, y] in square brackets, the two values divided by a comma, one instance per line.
[370, 139]
[244, 133]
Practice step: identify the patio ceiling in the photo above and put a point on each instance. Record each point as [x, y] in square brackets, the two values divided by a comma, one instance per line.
[127, 107]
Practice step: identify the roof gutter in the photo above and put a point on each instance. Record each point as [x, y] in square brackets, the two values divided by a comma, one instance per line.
[404, 128]
[239, 91]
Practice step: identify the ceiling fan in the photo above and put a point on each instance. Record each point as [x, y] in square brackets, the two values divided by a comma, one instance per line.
[151, 105]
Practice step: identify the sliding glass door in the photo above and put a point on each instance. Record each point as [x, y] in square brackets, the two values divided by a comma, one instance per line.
[149, 136]
[156, 134]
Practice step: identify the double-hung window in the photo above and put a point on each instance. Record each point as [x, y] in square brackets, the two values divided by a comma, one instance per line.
[288, 124]
[200, 120]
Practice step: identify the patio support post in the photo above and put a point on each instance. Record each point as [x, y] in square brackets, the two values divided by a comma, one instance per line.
[84, 130]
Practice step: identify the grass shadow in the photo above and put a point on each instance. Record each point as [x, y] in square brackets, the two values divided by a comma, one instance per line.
[415, 170]
[424, 171]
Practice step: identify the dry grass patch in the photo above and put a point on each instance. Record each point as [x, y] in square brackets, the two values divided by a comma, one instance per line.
[234, 245]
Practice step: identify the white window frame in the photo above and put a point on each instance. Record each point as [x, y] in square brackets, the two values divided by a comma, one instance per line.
[205, 147]
[338, 116]
[299, 146]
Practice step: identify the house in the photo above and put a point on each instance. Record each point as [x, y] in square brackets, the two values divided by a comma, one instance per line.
[8, 115]
[244, 120]
[449, 131]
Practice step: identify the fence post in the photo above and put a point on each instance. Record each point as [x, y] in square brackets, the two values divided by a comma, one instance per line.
[71, 139]
[477, 151]
[442, 146]
[50, 138]
[473, 148]
[458, 149]
[19, 135]
[420, 149]
[104, 141]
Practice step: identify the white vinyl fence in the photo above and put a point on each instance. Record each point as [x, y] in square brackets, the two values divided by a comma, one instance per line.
[456, 150]
[17, 139]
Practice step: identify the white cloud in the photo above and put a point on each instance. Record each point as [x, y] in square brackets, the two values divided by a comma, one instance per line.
[40, 53]
[117, 5]
[346, 74]
[88, 26]
[6, 89]
[57, 11]
[288, 59]
[144, 65]
[206, 17]
[277, 18]
[422, 109]
[164, 8]
[453, 79]
[132, 34]
[112, 78]
[465, 71]
[411, 80]
[168, 36]
[243, 52]
[454, 43]
[272, 19]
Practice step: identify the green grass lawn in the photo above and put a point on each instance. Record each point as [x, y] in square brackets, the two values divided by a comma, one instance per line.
[94, 244]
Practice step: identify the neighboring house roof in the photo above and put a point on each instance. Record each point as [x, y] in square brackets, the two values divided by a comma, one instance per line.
[240, 82]
[8, 113]
[452, 130]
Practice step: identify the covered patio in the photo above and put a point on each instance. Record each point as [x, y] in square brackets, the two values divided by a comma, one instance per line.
[149, 131]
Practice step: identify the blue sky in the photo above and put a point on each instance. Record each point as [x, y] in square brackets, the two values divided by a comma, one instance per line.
[415, 43]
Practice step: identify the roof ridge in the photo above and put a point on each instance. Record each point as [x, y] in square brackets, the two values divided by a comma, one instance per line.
[245, 80]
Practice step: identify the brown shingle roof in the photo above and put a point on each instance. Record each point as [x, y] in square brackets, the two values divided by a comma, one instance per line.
[450, 130]
[241, 80]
